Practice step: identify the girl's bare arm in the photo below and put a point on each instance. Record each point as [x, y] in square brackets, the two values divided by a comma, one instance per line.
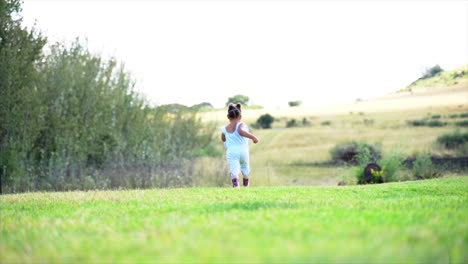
[246, 134]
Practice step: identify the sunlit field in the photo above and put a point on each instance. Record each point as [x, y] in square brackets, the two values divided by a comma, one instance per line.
[110, 133]
[408, 222]
[298, 155]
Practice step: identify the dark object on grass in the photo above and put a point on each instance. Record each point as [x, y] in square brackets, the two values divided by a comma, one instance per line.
[341, 183]
[370, 174]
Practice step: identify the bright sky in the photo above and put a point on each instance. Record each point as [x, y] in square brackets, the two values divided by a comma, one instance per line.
[319, 52]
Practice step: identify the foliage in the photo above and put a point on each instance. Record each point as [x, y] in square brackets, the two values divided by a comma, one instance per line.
[292, 123]
[71, 120]
[294, 103]
[377, 175]
[426, 122]
[463, 123]
[202, 106]
[432, 71]
[276, 222]
[20, 55]
[355, 152]
[436, 123]
[264, 121]
[417, 122]
[326, 123]
[423, 168]
[243, 99]
[392, 163]
[453, 140]
[296, 123]
[436, 77]
[253, 107]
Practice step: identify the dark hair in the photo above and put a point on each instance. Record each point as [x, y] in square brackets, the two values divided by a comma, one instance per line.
[234, 110]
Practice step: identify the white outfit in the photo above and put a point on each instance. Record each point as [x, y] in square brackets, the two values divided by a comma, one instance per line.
[237, 153]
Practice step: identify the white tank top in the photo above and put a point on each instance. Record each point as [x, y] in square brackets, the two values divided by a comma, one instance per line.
[234, 139]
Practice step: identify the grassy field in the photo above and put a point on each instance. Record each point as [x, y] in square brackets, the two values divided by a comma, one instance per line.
[289, 156]
[410, 222]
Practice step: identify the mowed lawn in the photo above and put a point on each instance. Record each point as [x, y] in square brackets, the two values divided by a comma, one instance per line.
[410, 222]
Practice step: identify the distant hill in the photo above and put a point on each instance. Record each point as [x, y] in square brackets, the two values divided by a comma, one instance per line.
[450, 78]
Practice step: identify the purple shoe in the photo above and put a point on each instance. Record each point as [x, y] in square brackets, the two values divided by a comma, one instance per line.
[245, 182]
[235, 183]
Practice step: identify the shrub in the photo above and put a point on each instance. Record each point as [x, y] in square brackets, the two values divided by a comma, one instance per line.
[425, 122]
[355, 152]
[292, 123]
[295, 103]
[358, 173]
[326, 123]
[391, 164]
[424, 169]
[436, 123]
[463, 123]
[417, 122]
[436, 116]
[430, 72]
[369, 122]
[264, 121]
[464, 115]
[454, 140]
[453, 116]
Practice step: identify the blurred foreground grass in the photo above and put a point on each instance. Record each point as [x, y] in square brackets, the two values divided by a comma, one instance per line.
[410, 222]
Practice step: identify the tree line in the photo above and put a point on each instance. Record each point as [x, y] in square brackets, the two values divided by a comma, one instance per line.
[70, 119]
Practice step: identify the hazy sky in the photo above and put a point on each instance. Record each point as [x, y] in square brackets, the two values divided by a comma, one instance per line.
[318, 52]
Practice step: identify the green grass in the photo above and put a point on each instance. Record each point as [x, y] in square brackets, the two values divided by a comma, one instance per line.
[410, 222]
[442, 79]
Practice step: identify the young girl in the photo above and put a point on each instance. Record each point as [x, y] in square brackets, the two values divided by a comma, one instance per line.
[236, 140]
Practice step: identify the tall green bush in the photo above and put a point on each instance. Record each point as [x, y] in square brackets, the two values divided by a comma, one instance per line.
[70, 119]
[453, 140]
[355, 152]
[391, 164]
[20, 55]
[423, 168]
[264, 121]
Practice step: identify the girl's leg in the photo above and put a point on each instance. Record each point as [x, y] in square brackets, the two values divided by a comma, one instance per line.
[234, 166]
[245, 168]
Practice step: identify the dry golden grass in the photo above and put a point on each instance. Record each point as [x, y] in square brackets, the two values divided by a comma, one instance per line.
[286, 156]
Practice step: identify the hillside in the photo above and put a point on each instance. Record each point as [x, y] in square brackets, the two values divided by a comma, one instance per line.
[449, 88]
[411, 222]
[301, 155]
[444, 79]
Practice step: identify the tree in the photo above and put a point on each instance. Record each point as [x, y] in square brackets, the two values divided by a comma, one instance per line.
[202, 106]
[430, 72]
[264, 121]
[295, 103]
[238, 99]
[20, 53]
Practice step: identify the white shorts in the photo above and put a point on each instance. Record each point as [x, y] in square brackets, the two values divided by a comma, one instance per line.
[238, 159]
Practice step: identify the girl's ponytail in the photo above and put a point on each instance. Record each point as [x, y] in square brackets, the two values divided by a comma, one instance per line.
[234, 110]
